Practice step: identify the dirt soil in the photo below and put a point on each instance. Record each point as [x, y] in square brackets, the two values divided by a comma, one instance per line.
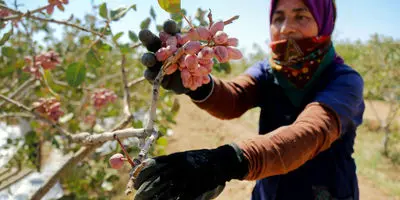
[197, 129]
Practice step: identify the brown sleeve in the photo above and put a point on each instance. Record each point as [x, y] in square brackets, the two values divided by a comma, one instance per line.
[287, 148]
[230, 99]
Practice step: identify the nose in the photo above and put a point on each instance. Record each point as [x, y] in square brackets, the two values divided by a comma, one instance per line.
[287, 28]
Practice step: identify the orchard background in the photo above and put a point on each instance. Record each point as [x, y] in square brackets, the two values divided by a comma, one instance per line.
[91, 80]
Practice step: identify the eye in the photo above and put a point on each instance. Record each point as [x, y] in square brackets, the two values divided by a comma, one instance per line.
[278, 19]
[301, 18]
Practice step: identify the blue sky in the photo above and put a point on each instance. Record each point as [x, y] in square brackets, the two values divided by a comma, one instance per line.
[357, 19]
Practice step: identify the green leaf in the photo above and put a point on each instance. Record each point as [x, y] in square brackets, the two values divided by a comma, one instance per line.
[6, 37]
[103, 46]
[159, 28]
[92, 58]
[152, 13]
[125, 48]
[55, 143]
[6, 71]
[133, 36]
[76, 73]
[226, 67]
[162, 141]
[112, 178]
[177, 16]
[219, 67]
[171, 6]
[49, 82]
[117, 36]
[103, 11]
[120, 12]
[9, 52]
[106, 31]
[145, 23]
[85, 40]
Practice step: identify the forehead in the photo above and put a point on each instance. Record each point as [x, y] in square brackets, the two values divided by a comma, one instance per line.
[289, 5]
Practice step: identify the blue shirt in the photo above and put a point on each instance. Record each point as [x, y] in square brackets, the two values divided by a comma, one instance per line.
[333, 171]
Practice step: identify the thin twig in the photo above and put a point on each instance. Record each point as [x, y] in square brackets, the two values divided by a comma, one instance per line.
[392, 117]
[136, 81]
[123, 123]
[375, 112]
[8, 115]
[125, 152]
[229, 21]
[67, 24]
[134, 46]
[21, 88]
[190, 23]
[153, 105]
[127, 96]
[20, 14]
[37, 115]
[210, 19]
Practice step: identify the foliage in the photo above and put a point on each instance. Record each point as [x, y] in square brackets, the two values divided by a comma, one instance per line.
[90, 61]
[378, 62]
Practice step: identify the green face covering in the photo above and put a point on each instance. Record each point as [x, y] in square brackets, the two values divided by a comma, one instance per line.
[297, 64]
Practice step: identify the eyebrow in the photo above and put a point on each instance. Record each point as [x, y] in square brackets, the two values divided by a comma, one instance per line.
[294, 10]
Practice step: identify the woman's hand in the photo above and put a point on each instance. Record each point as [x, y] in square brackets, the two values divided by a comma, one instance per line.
[192, 174]
[153, 43]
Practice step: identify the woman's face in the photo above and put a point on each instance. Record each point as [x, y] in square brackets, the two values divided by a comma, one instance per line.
[292, 19]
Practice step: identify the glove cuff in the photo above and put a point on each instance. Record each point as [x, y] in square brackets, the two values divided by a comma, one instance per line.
[203, 92]
[233, 163]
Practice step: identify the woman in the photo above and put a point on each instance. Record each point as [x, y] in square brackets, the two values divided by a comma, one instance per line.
[311, 105]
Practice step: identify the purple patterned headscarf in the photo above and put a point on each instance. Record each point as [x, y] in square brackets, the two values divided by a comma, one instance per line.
[324, 13]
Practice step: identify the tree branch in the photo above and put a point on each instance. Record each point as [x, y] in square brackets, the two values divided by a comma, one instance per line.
[37, 115]
[7, 115]
[21, 88]
[375, 112]
[127, 97]
[392, 117]
[77, 157]
[90, 139]
[67, 24]
[156, 88]
[136, 81]
[20, 15]
[229, 21]
[142, 155]
[70, 162]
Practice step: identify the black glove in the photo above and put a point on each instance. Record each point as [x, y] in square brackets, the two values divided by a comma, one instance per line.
[152, 42]
[171, 82]
[196, 174]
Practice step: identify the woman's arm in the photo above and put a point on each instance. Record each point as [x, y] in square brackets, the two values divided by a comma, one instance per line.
[334, 110]
[228, 99]
[289, 147]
